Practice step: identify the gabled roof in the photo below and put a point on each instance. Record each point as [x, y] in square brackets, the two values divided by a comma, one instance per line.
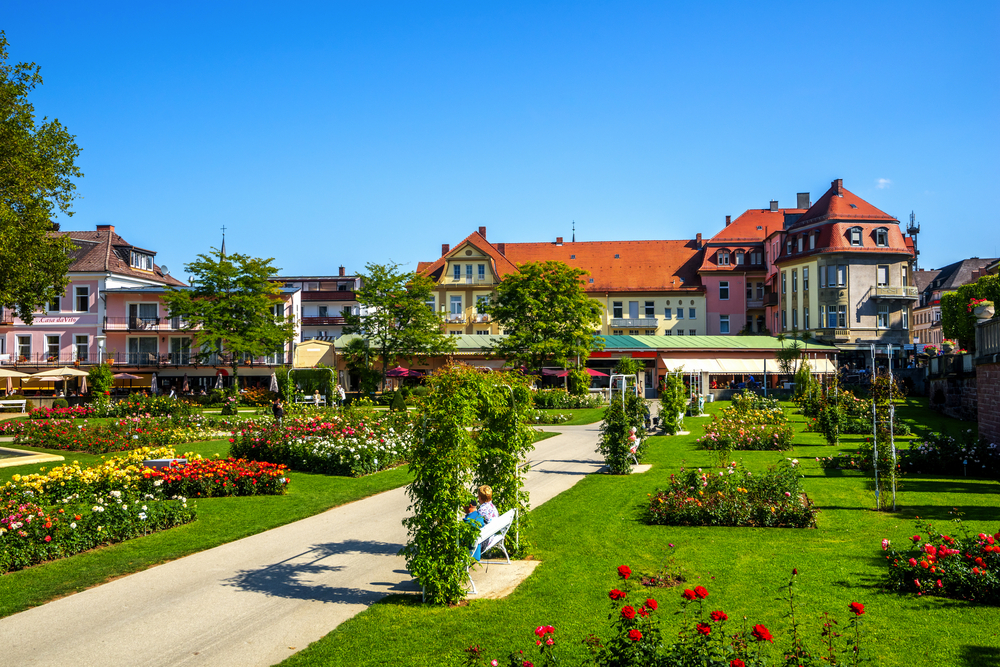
[838, 203]
[834, 237]
[501, 265]
[639, 266]
[103, 250]
[754, 225]
[921, 279]
[958, 273]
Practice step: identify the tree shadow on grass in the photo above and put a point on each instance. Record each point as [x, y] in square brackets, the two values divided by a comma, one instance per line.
[950, 485]
[980, 656]
[301, 577]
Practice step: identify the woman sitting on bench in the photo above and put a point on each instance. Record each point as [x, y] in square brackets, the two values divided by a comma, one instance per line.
[486, 507]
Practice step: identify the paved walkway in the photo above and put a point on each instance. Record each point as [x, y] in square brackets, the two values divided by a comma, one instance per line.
[256, 601]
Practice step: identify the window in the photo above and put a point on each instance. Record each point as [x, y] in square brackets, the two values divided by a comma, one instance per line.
[832, 321]
[723, 258]
[795, 318]
[324, 311]
[52, 347]
[180, 349]
[784, 281]
[456, 305]
[482, 272]
[854, 234]
[800, 242]
[650, 332]
[841, 275]
[842, 316]
[633, 309]
[668, 332]
[760, 290]
[795, 280]
[430, 302]
[882, 275]
[723, 324]
[616, 310]
[343, 287]
[749, 291]
[805, 279]
[142, 316]
[650, 309]
[906, 318]
[82, 299]
[692, 314]
[883, 316]
[812, 241]
[482, 332]
[882, 237]
[788, 247]
[680, 313]
[784, 320]
[143, 350]
[692, 332]
[724, 290]
[633, 332]
[822, 277]
[756, 257]
[616, 332]
[141, 260]
[54, 304]
[24, 347]
[667, 314]
[482, 303]
[805, 318]
[617, 256]
[457, 271]
[680, 332]
[739, 257]
[455, 332]
[822, 316]
[81, 348]
[468, 272]
[903, 276]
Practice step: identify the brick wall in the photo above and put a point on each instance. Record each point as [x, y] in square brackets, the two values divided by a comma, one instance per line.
[989, 401]
[960, 396]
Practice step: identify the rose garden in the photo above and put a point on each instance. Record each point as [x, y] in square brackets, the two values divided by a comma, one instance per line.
[753, 539]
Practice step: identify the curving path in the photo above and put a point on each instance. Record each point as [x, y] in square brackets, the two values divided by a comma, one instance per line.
[256, 601]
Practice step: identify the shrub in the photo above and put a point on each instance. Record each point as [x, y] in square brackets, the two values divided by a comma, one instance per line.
[148, 405]
[673, 398]
[735, 497]
[546, 417]
[101, 379]
[579, 382]
[257, 397]
[398, 403]
[744, 426]
[230, 405]
[60, 403]
[963, 567]
[115, 436]
[944, 455]
[622, 432]
[747, 401]
[560, 399]
[214, 478]
[76, 412]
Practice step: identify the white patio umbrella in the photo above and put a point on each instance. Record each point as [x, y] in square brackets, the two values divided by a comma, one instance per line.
[56, 374]
[186, 387]
[218, 381]
[153, 386]
[10, 375]
[83, 385]
[274, 383]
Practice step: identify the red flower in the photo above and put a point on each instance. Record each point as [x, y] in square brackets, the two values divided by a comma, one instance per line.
[718, 616]
[704, 629]
[628, 612]
[616, 594]
[543, 630]
[915, 538]
[736, 662]
[624, 571]
[856, 608]
[700, 592]
[634, 635]
[688, 594]
[651, 603]
[48, 538]
[762, 634]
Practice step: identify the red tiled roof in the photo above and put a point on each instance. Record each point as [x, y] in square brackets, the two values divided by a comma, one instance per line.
[838, 203]
[99, 251]
[501, 265]
[833, 237]
[744, 229]
[640, 266]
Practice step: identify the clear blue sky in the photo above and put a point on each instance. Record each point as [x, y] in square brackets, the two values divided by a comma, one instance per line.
[336, 133]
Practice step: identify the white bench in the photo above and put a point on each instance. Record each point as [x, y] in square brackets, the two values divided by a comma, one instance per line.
[310, 400]
[10, 404]
[492, 535]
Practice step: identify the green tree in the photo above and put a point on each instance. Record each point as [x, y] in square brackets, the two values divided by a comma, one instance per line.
[37, 168]
[957, 322]
[232, 306]
[673, 400]
[357, 357]
[398, 322]
[546, 314]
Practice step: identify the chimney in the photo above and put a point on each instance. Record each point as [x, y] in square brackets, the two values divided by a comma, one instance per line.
[502, 247]
[774, 205]
[838, 187]
[444, 249]
[106, 228]
[482, 232]
[697, 240]
[728, 220]
[343, 271]
[559, 240]
[802, 200]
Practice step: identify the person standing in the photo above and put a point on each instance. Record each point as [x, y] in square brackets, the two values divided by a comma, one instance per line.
[278, 410]
[340, 395]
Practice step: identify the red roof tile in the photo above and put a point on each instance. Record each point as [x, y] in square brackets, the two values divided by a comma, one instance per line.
[501, 265]
[754, 225]
[104, 250]
[834, 237]
[838, 203]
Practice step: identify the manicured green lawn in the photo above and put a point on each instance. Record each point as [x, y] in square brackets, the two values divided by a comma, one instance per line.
[581, 416]
[582, 535]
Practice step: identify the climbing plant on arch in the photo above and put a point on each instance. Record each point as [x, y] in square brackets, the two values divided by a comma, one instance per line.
[449, 458]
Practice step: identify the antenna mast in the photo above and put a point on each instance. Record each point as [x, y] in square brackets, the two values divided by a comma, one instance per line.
[913, 229]
[574, 231]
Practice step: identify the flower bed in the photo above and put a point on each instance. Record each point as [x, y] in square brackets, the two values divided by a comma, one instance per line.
[208, 478]
[964, 567]
[144, 404]
[744, 434]
[117, 436]
[355, 444]
[944, 455]
[75, 412]
[560, 399]
[734, 497]
[546, 417]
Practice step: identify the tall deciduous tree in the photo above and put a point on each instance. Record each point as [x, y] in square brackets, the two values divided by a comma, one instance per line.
[37, 165]
[546, 314]
[232, 306]
[397, 320]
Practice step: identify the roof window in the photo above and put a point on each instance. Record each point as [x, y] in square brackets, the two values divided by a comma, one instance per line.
[617, 257]
[572, 256]
[854, 234]
[759, 227]
[141, 260]
[882, 237]
[854, 205]
[591, 280]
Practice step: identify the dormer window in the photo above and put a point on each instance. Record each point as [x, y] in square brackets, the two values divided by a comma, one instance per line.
[812, 240]
[739, 257]
[800, 240]
[854, 234]
[882, 237]
[788, 247]
[141, 260]
[723, 258]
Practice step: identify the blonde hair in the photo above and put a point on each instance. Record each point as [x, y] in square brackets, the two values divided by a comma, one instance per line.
[486, 492]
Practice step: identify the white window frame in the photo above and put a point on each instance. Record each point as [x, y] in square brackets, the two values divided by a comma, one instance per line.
[81, 291]
[77, 344]
[812, 241]
[482, 272]
[668, 313]
[22, 341]
[882, 275]
[795, 281]
[452, 302]
[740, 258]
[723, 290]
[723, 324]
[805, 278]
[882, 319]
[855, 237]
[618, 310]
[882, 237]
[722, 258]
[805, 318]
[49, 343]
[456, 272]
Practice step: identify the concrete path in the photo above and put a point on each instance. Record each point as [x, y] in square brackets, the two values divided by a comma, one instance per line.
[258, 600]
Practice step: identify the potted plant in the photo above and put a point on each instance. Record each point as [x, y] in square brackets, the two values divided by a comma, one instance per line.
[948, 346]
[930, 350]
[982, 308]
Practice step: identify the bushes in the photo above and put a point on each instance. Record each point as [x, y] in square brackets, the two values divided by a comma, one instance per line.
[579, 382]
[205, 478]
[623, 428]
[944, 455]
[673, 398]
[60, 403]
[145, 404]
[734, 497]
[76, 412]
[115, 436]
[752, 422]
[560, 399]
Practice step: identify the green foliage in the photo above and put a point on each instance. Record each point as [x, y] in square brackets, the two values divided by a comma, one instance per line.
[36, 178]
[143, 404]
[673, 398]
[560, 399]
[398, 321]
[60, 403]
[880, 453]
[398, 404]
[624, 427]
[805, 385]
[229, 307]
[100, 379]
[627, 366]
[358, 359]
[547, 316]
[956, 321]
[579, 382]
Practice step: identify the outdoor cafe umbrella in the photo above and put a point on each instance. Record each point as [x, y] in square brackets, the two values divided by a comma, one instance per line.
[10, 375]
[83, 384]
[153, 386]
[186, 387]
[218, 381]
[398, 372]
[127, 376]
[55, 374]
[590, 371]
[274, 383]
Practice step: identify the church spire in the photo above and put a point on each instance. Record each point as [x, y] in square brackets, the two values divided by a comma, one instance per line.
[222, 252]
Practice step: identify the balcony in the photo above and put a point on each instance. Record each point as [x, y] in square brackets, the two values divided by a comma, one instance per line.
[322, 321]
[771, 299]
[646, 323]
[835, 334]
[143, 324]
[455, 319]
[329, 295]
[896, 293]
[175, 359]
[6, 316]
[755, 303]
[40, 359]
[480, 317]
[987, 340]
[471, 281]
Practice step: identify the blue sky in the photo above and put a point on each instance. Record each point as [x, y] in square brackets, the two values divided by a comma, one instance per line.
[334, 133]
